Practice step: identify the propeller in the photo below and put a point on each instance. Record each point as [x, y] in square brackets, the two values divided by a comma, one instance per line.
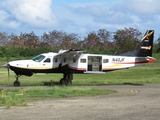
[8, 71]
[7, 66]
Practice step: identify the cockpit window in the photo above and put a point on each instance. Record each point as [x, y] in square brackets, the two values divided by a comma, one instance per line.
[48, 60]
[38, 58]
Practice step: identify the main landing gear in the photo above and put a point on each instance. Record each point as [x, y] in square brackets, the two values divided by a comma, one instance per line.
[17, 82]
[67, 79]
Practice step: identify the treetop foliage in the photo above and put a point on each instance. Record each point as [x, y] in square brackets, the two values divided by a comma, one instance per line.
[101, 41]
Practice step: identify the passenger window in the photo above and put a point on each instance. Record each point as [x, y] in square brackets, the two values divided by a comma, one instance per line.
[48, 60]
[105, 60]
[83, 60]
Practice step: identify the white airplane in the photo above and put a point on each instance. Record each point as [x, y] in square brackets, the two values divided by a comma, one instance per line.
[73, 61]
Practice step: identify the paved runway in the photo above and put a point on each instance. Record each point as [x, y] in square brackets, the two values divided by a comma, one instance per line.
[132, 102]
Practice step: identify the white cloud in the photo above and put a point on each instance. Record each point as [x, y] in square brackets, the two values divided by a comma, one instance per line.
[140, 14]
[3, 15]
[144, 6]
[4, 23]
[31, 12]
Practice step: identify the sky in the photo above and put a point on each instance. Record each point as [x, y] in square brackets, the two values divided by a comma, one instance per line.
[78, 16]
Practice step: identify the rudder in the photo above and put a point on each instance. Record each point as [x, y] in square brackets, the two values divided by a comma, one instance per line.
[145, 47]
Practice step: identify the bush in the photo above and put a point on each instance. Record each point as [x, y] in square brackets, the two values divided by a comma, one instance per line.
[21, 52]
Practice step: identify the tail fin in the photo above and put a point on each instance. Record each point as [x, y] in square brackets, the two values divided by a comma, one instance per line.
[144, 48]
[146, 45]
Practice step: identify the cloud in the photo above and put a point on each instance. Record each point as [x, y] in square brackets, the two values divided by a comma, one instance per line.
[3, 15]
[78, 16]
[144, 6]
[32, 12]
[140, 14]
[5, 23]
[94, 16]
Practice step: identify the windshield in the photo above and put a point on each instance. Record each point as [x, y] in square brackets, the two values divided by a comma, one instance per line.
[38, 58]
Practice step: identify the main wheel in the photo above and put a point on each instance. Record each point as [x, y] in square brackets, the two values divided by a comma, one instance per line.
[16, 83]
[62, 81]
[69, 82]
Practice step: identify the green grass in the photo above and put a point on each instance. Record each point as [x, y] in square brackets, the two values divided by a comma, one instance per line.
[14, 97]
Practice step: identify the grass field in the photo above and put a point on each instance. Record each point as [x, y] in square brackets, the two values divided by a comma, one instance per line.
[148, 74]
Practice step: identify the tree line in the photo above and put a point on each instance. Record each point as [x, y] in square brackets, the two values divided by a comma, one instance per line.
[101, 41]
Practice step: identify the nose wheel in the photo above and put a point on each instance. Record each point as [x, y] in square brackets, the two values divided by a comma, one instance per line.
[17, 82]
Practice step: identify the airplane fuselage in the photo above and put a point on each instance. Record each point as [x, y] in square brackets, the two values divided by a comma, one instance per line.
[84, 63]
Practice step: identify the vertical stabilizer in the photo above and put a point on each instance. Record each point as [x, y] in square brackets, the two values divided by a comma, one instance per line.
[146, 45]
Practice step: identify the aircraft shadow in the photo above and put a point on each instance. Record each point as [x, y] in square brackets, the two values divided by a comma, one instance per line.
[132, 84]
[52, 83]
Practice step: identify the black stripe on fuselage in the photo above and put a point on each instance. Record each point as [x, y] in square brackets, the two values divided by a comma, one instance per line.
[30, 72]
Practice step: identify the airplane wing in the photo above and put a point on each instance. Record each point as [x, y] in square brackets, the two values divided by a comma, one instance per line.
[69, 53]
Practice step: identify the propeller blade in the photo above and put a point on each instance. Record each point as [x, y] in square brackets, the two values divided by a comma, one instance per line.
[8, 66]
[8, 70]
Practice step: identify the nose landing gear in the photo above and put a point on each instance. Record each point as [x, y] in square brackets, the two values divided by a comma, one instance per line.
[17, 82]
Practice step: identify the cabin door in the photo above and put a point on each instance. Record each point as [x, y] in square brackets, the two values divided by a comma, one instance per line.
[94, 63]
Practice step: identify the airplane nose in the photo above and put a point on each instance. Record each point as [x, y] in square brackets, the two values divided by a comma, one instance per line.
[6, 65]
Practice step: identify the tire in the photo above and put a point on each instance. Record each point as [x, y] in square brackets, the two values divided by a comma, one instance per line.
[62, 82]
[69, 82]
[16, 83]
